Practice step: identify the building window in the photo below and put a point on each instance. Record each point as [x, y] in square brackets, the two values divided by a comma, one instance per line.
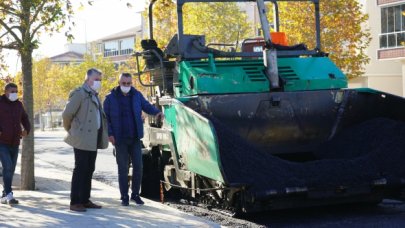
[119, 47]
[392, 26]
[111, 48]
[127, 46]
[99, 47]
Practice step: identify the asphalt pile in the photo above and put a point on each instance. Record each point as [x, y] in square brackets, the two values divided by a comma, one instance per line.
[356, 156]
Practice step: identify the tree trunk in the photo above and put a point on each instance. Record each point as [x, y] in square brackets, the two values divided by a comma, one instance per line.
[41, 121]
[27, 154]
[50, 116]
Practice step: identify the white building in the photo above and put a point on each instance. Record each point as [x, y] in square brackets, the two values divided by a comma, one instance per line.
[386, 69]
[73, 54]
[120, 46]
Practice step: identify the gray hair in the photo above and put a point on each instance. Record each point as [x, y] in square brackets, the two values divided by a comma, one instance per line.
[92, 72]
[126, 75]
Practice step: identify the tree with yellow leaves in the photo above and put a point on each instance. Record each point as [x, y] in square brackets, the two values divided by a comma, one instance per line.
[219, 22]
[41, 86]
[343, 34]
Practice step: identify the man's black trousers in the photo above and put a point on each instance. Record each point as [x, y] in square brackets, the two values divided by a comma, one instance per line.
[85, 162]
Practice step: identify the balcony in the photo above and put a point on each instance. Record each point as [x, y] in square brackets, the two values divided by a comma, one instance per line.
[111, 53]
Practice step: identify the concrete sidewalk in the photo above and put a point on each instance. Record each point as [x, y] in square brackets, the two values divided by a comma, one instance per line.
[49, 206]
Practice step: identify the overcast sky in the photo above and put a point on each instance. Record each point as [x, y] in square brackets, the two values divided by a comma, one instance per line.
[103, 18]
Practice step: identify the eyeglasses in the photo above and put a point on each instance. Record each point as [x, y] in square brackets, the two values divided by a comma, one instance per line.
[126, 83]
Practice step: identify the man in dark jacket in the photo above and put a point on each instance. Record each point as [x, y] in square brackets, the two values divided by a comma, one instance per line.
[123, 107]
[12, 115]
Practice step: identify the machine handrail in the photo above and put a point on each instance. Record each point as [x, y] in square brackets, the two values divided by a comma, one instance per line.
[139, 73]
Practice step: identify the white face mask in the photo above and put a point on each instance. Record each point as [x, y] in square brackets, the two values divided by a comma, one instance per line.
[13, 96]
[96, 86]
[125, 89]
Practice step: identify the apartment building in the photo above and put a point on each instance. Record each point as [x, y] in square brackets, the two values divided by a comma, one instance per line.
[119, 47]
[386, 70]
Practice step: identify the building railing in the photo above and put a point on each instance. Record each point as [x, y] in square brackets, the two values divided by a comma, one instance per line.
[392, 40]
[128, 51]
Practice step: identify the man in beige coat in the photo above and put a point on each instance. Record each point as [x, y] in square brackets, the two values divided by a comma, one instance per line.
[86, 126]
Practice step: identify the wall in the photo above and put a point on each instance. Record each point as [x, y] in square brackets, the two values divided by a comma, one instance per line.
[385, 75]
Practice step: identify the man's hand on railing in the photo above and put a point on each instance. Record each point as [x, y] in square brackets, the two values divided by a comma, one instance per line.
[160, 116]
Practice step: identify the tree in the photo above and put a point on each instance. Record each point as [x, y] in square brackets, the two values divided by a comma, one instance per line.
[47, 96]
[41, 87]
[219, 22]
[3, 81]
[164, 21]
[342, 31]
[21, 23]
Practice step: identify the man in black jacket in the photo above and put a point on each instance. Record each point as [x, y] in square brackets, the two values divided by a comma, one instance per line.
[12, 115]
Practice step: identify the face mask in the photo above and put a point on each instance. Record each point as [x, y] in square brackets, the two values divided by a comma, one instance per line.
[13, 96]
[125, 89]
[96, 86]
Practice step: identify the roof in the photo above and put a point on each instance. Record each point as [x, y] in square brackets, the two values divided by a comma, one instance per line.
[125, 33]
[67, 56]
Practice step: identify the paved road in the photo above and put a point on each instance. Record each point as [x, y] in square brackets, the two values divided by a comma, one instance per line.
[49, 206]
[389, 213]
[50, 148]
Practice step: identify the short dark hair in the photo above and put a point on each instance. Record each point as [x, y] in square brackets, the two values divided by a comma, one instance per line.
[127, 75]
[10, 85]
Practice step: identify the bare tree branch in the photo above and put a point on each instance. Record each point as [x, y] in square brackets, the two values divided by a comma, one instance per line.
[13, 27]
[12, 33]
[12, 45]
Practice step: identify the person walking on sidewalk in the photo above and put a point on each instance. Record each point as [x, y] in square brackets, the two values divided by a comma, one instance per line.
[12, 115]
[86, 126]
[123, 107]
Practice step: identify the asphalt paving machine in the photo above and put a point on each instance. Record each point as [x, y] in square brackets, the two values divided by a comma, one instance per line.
[249, 130]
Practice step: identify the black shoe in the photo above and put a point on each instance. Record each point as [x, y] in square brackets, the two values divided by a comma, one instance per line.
[77, 208]
[92, 205]
[125, 200]
[13, 201]
[137, 199]
[124, 203]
